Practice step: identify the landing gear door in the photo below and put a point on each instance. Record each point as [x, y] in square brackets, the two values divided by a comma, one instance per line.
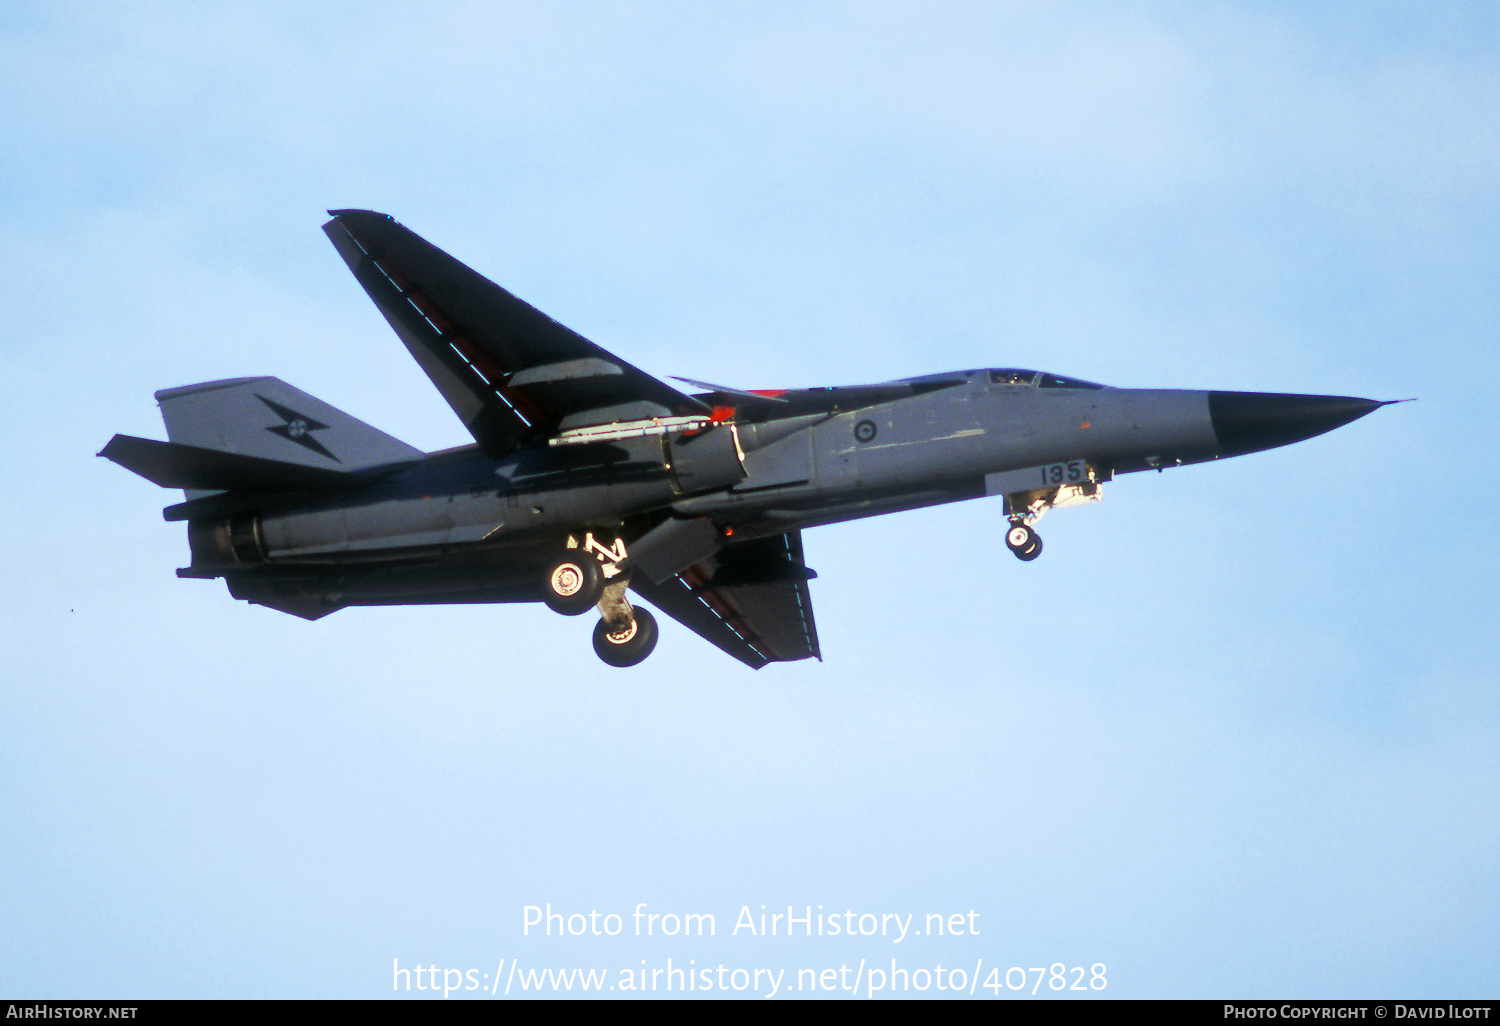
[1031, 491]
[1050, 475]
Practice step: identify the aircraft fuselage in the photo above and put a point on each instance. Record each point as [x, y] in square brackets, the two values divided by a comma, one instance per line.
[965, 439]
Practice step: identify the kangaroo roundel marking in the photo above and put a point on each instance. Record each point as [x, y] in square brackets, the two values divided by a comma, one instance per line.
[298, 427]
[864, 431]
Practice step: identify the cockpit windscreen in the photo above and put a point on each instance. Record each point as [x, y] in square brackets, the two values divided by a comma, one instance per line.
[1021, 378]
[1012, 377]
[1058, 381]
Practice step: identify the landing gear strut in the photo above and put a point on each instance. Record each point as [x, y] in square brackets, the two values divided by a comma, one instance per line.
[1023, 541]
[624, 635]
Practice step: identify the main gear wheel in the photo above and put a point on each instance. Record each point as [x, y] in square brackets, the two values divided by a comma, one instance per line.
[573, 583]
[628, 645]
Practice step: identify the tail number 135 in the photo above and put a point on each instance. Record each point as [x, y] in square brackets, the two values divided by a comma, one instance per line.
[1071, 472]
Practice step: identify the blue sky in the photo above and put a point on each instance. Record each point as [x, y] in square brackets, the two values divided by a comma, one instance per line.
[1234, 734]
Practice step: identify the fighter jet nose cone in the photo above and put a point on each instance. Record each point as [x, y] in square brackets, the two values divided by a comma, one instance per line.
[1251, 421]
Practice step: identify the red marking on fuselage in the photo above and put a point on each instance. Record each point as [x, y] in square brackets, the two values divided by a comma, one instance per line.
[769, 393]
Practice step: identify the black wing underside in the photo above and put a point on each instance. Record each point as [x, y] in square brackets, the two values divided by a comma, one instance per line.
[510, 372]
[751, 600]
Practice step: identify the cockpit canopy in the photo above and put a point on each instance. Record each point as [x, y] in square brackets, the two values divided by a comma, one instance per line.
[1038, 379]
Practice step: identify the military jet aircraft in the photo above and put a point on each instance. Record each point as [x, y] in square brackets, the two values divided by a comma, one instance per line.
[589, 479]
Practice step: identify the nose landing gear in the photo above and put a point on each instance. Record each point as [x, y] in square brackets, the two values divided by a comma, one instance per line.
[1077, 482]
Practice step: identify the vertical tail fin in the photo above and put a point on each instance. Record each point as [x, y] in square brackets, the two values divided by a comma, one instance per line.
[269, 419]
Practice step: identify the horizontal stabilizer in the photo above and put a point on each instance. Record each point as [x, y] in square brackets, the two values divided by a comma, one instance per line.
[173, 465]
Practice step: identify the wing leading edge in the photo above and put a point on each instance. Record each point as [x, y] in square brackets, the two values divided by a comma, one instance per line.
[751, 600]
[511, 373]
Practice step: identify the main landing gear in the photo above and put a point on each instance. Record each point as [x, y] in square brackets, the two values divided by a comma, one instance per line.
[591, 574]
[1023, 541]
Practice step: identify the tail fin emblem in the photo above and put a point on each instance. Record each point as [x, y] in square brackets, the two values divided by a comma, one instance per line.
[298, 428]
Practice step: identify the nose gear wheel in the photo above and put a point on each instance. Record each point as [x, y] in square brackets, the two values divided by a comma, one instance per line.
[1024, 542]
